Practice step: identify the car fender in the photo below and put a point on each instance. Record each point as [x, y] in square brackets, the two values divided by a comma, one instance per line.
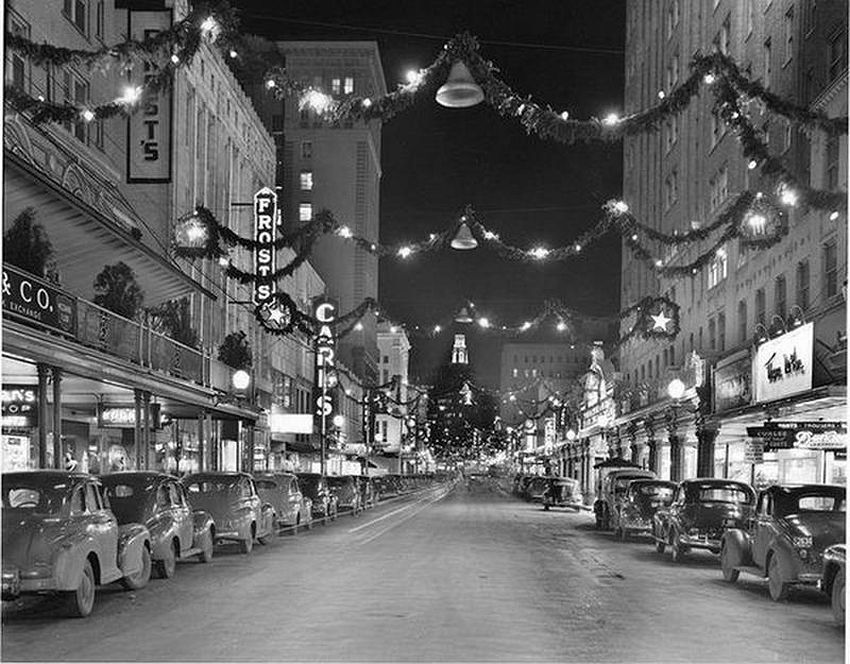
[68, 565]
[266, 519]
[202, 523]
[789, 561]
[132, 538]
[737, 543]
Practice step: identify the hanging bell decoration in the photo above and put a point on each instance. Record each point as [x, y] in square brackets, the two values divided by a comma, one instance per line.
[460, 90]
[463, 316]
[464, 239]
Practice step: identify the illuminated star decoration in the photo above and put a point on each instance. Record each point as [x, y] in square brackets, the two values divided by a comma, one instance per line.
[275, 316]
[660, 321]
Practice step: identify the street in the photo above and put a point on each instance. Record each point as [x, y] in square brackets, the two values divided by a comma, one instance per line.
[476, 575]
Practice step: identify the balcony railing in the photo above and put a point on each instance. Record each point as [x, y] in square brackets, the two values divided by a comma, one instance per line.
[33, 301]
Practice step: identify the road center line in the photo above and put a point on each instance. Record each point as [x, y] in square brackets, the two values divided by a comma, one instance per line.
[388, 514]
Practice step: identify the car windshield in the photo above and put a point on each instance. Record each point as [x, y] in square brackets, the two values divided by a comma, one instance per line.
[654, 492]
[723, 494]
[128, 502]
[35, 496]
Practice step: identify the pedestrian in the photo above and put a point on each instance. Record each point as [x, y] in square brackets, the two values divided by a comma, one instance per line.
[70, 462]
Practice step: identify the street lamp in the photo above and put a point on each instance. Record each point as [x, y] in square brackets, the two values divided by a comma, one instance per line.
[676, 389]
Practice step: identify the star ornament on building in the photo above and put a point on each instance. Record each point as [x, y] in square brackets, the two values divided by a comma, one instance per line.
[276, 316]
[660, 321]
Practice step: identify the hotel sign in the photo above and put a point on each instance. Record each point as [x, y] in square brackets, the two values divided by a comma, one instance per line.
[38, 302]
[783, 366]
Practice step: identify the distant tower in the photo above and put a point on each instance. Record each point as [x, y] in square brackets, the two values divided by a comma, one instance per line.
[459, 353]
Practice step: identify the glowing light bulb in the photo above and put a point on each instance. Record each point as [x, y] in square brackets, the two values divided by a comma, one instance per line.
[270, 83]
[661, 94]
[131, 95]
[87, 115]
[345, 232]
[404, 252]
[224, 261]
[578, 247]
[788, 197]
[525, 325]
[565, 115]
[753, 164]
[210, 27]
[437, 329]
[316, 100]
[413, 77]
[611, 119]
[634, 237]
[358, 326]
[621, 206]
[658, 262]
[539, 253]
[393, 329]
[561, 326]
[232, 53]
[709, 78]
[367, 103]
[175, 59]
[484, 322]
[833, 216]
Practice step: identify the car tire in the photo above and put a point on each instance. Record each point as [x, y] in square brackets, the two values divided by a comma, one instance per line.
[166, 567]
[247, 545]
[775, 583]
[677, 551]
[545, 507]
[838, 598]
[207, 548]
[660, 544]
[80, 602]
[139, 579]
[730, 574]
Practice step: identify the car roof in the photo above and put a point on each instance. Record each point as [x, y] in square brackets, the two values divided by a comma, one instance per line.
[215, 475]
[804, 488]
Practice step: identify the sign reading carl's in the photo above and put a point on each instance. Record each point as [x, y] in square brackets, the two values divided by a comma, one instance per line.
[325, 312]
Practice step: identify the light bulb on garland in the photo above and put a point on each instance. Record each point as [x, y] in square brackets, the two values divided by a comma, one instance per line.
[87, 115]
[833, 216]
[344, 231]
[561, 326]
[611, 120]
[131, 95]
[539, 253]
[404, 252]
[752, 165]
[358, 326]
[316, 100]
[270, 84]
[788, 196]
[621, 207]
[484, 322]
[709, 78]
[210, 28]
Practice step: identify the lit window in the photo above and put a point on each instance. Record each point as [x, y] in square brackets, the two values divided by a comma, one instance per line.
[515, 372]
[349, 85]
[336, 86]
[306, 180]
[718, 268]
[305, 212]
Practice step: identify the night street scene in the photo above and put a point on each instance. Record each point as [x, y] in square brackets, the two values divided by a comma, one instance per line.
[406, 331]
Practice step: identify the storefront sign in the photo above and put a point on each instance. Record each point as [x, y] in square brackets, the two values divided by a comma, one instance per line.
[124, 417]
[38, 302]
[754, 452]
[802, 435]
[149, 129]
[783, 366]
[732, 381]
[20, 406]
[325, 313]
[265, 231]
[290, 423]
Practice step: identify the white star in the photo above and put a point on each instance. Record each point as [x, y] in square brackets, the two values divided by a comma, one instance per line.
[275, 315]
[660, 321]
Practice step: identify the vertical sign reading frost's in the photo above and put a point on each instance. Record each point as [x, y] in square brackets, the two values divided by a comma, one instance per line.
[265, 230]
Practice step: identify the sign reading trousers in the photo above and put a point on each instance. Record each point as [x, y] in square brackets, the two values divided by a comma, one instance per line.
[325, 313]
[817, 435]
[149, 129]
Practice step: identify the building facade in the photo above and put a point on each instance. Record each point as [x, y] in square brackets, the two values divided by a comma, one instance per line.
[391, 430]
[786, 299]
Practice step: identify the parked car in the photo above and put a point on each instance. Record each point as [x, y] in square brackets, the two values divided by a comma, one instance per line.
[702, 509]
[368, 495]
[562, 492]
[347, 492]
[612, 491]
[59, 535]
[316, 488]
[832, 579]
[536, 487]
[786, 538]
[643, 499]
[282, 491]
[159, 502]
[238, 511]
[387, 486]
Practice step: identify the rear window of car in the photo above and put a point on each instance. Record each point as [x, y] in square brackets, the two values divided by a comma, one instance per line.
[656, 491]
[211, 486]
[723, 494]
[41, 500]
[265, 484]
[820, 504]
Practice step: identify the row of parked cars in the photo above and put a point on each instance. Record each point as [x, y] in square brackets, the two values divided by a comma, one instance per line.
[68, 532]
[549, 491]
[788, 535]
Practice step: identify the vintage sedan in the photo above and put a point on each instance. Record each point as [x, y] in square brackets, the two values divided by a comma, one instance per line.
[60, 536]
[159, 502]
[786, 538]
[347, 493]
[292, 509]
[701, 511]
[612, 492]
[535, 489]
[832, 579]
[643, 499]
[238, 511]
[316, 488]
[562, 492]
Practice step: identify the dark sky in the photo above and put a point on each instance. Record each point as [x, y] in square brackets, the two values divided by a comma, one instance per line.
[436, 160]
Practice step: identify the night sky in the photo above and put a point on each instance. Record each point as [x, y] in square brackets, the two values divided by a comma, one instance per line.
[436, 160]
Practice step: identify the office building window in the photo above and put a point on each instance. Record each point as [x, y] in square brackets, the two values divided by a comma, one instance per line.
[719, 267]
[305, 211]
[832, 159]
[712, 334]
[837, 54]
[780, 296]
[830, 268]
[721, 331]
[336, 86]
[766, 63]
[306, 180]
[802, 285]
[20, 65]
[672, 17]
[306, 149]
[742, 321]
[349, 85]
[761, 307]
[671, 189]
[719, 188]
[77, 11]
[788, 28]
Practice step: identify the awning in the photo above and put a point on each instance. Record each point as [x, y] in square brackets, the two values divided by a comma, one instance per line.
[85, 239]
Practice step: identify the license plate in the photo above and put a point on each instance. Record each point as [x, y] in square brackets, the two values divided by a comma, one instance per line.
[11, 585]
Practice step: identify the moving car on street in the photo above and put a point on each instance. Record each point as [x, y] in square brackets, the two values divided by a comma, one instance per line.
[59, 535]
[159, 502]
[701, 511]
[316, 488]
[282, 491]
[347, 493]
[612, 492]
[562, 492]
[832, 579]
[786, 539]
[238, 511]
[643, 499]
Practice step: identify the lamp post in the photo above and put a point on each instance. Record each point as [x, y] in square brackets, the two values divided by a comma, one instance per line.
[676, 390]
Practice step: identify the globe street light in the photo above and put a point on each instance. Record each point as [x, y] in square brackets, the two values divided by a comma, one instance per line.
[676, 389]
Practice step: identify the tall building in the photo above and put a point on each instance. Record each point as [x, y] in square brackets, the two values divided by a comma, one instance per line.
[685, 175]
[394, 363]
[320, 166]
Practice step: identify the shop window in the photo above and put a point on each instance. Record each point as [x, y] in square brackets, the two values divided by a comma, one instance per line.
[349, 85]
[719, 267]
[336, 86]
[830, 268]
[802, 285]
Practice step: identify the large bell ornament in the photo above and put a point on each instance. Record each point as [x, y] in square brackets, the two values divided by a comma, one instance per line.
[464, 239]
[463, 316]
[460, 90]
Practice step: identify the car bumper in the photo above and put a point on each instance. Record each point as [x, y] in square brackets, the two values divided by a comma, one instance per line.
[810, 578]
[228, 535]
[701, 542]
[15, 584]
[636, 528]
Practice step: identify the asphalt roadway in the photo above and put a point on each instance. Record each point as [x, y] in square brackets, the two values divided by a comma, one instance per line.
[475, 575]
